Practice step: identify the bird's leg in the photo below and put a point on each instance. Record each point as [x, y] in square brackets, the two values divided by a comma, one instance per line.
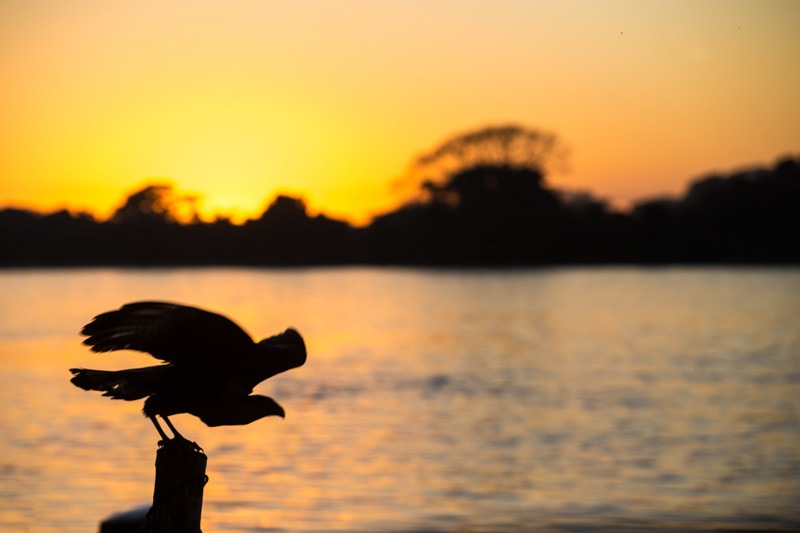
[178, 438]
[158, 428]
[172, 428]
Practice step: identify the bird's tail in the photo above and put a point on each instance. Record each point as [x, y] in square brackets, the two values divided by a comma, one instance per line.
[130, 384]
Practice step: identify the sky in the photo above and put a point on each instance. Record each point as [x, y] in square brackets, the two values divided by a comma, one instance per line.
[239, 100]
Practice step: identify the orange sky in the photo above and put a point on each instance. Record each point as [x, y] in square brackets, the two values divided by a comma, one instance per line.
[332, 100]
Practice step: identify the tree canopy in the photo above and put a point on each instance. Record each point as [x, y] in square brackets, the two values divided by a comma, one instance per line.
[157, 203]
[506, 146]
[485, 202]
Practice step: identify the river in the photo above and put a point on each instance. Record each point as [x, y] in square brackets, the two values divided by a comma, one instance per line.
[616, 399]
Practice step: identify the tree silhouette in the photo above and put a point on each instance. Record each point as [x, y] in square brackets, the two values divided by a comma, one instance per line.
[492, 187]
[482, 200]
[507, 146]
[285, 234]
[157, 203]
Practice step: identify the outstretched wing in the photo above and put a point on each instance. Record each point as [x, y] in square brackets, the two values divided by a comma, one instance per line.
[277, 354]
[175, 333]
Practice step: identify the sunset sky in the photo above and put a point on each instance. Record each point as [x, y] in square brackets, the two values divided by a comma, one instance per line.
[238, 100]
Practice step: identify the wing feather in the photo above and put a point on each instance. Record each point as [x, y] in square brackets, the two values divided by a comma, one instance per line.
[175, 333]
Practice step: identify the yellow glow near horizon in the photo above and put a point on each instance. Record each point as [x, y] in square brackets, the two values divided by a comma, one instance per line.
[242, 100]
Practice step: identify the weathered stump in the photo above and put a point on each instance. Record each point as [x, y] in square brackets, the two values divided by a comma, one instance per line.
[178, 492]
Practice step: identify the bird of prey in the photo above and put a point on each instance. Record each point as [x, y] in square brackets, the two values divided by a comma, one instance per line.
[211, 365]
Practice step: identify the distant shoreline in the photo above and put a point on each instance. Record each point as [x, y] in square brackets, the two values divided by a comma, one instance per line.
[485, 217]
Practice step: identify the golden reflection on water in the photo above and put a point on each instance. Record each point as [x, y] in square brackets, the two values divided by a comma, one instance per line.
[431, 399]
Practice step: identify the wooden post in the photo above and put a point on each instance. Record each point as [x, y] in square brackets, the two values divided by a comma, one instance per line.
[178, 492]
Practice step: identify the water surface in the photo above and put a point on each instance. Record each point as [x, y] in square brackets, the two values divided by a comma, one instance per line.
[435, 400]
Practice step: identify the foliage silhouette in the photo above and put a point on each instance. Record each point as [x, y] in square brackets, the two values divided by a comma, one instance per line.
[494, 146]
[482, 215]
[494, 210]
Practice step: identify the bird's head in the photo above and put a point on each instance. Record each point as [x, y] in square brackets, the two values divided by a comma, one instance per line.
[261, 406]
[252, 408]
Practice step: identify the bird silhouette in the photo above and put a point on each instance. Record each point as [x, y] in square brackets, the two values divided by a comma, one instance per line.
[211, 367]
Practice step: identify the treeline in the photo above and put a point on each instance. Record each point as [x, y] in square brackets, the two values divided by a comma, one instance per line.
[499, 213]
